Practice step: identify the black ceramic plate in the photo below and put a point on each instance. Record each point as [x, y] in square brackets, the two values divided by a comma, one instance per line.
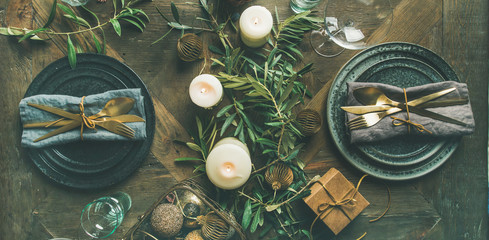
[396, 64]
[91, 164]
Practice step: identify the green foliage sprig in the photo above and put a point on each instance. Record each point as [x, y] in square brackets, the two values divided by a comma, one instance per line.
[263, 89]
[127, 13]
[208, 18]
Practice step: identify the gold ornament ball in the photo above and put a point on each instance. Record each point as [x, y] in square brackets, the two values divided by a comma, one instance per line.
[192, 207]
[190, 47]
[214, 227]
[191, 210]
[167, 220]
[194, 235]
[310, 121]
[279, 176]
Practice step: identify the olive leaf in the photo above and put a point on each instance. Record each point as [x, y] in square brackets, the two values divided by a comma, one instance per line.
[71, 53]
[52, 14]
[116, 25]
[246, 215]
[174, 11]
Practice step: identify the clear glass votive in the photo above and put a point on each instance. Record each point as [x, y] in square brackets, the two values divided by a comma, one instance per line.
[100, 218]
[299, 6]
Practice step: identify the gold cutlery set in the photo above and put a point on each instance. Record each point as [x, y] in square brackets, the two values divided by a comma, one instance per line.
[377, 106]
[112, 118]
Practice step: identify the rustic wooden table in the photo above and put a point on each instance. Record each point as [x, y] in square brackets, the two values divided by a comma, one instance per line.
[449, 203]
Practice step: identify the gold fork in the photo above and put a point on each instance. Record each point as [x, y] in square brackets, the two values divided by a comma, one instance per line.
[370, 119]
[116, 127]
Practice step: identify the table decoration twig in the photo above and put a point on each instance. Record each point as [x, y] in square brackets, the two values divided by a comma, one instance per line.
[134, 16]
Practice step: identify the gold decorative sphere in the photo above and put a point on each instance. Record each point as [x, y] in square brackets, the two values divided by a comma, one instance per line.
[190, 47]
[214, 227]
[310, 121]
[279, 176]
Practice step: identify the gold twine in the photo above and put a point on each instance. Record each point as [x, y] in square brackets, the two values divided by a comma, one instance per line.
[399, 121]
[325, 209]
[85, 121]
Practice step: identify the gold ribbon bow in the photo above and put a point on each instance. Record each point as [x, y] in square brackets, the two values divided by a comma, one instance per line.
[399, 121]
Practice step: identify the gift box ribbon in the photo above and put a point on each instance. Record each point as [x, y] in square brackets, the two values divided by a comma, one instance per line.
[326, 208]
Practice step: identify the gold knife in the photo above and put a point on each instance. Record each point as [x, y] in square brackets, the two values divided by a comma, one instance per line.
[63, 129]
[121, 118]
[377, 108]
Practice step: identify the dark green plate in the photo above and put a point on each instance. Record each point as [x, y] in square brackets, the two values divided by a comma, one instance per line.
[397, 64]
[413, 72]
[91, 164]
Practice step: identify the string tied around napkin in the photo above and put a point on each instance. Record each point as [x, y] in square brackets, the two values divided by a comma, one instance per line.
[85, 121]
[326, 208]
[399, 121]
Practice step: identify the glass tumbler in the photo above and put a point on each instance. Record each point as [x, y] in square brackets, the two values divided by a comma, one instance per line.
[299, 6]
[100, 218]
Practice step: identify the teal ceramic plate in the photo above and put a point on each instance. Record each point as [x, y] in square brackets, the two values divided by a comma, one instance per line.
[397, 64]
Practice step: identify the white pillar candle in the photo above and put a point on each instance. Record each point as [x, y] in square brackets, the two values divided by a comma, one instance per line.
[205, 90]
[235, 141]
[255, 24]
[228, 165]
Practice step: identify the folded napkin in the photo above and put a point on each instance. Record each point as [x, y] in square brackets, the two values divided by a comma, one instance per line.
[386, 129]
[92, 104]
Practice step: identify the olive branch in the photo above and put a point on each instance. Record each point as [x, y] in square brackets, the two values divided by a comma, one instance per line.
[127, 13]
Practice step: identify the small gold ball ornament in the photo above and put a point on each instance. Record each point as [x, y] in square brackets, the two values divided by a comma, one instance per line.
[194, 235]
[190, 47]
[310, 121]
[279, 176]
[214, 227]
[192, 207]
[167, 220]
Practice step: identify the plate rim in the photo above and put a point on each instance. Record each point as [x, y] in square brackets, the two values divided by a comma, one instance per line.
[455, 141]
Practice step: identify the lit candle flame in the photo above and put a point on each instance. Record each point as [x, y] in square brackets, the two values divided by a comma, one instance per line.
[256, 20]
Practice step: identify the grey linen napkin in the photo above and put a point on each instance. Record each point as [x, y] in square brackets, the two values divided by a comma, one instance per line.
[92, 104]
[385, 129]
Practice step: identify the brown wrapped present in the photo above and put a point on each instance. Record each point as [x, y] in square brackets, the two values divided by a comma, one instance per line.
[335, 200]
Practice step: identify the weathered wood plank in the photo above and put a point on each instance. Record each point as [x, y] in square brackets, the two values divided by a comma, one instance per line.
[465, 48]
[165, 149]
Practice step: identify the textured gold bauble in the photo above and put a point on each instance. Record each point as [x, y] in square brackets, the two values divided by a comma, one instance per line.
[279, 176]
[310, 121]
[214, 227]
[194, 235]
[167, 220]
[190, 47]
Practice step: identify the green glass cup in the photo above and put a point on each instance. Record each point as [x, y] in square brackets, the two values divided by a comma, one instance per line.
[299, 6]
[101, 217]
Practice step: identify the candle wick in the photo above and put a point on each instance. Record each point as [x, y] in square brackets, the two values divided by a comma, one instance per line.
[203, 90]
